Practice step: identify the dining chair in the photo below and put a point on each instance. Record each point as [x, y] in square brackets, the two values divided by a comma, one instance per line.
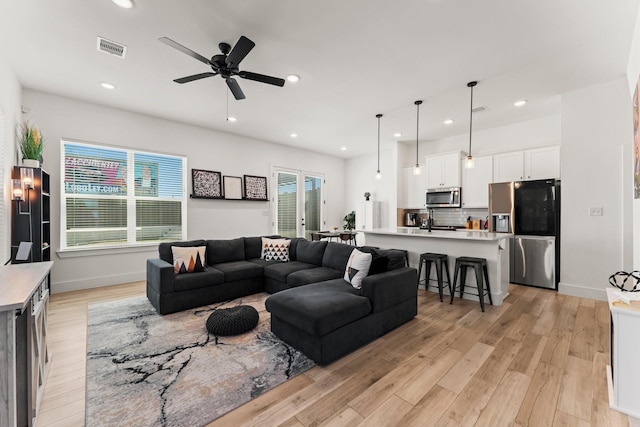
[316, 237]
[347, 237]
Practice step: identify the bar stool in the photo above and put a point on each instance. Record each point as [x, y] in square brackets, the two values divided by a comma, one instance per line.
[480, 267]
[441, 261]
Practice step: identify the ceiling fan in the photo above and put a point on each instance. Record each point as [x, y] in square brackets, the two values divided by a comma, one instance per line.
[225, 65]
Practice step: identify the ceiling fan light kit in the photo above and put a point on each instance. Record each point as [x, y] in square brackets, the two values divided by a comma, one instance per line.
[225, 65]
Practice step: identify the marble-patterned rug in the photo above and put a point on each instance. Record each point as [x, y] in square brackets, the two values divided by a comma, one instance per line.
[144, 369]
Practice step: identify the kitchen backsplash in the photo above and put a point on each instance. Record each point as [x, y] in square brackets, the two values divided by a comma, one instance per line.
[445, 216]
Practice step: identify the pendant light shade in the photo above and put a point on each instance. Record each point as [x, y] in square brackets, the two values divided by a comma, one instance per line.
[378, 174]
[469, 163]
[416, 169]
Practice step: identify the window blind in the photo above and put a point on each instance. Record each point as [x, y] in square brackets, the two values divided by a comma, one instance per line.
[115, 196]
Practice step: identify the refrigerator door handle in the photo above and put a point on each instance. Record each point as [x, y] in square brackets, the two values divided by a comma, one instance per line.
[524, 260]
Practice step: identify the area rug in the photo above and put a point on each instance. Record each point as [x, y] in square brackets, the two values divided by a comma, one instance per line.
[144, 369]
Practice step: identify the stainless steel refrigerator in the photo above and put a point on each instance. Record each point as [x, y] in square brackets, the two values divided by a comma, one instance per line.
[535, 222]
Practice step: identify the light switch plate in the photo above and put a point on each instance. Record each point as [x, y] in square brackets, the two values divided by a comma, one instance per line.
[595, 211]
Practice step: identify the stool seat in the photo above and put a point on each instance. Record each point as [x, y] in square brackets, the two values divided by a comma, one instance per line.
[441, 261]
[482, 278]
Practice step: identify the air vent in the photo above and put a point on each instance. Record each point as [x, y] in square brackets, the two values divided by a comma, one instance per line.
[111, 47]
[480, 109]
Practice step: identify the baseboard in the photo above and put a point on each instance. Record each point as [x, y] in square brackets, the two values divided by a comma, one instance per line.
[582, 291]
[96, 282]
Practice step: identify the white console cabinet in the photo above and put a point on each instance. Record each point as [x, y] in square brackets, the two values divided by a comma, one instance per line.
[367, 215]
[623, 375]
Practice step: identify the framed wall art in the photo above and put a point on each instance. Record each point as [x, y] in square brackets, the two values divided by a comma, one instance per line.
[255, 187]
[206, 184]
[232, 187]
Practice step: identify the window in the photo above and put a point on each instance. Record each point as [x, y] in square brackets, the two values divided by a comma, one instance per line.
[116, 197]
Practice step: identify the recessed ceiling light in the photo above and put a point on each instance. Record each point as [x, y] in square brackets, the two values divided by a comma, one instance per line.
[108, 85]
[397, 134]
[343, 148]
[448, 121]
[231, 119]
[293, 78]
[520, 103]
[126, 4]
[294, 135]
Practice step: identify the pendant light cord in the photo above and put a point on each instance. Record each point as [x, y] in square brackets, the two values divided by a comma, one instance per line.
[378, 116]
[471, 85]
[417, 128]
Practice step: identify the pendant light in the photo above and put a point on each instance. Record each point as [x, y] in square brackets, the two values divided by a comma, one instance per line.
[416, 169]
[469, 164]
[378, 174]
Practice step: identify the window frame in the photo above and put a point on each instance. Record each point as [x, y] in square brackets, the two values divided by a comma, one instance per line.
[130, 198]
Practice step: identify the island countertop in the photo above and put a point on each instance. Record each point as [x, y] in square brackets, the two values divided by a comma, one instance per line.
[461, 234]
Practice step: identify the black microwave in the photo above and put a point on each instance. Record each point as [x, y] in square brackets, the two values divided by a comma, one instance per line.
[443, 197]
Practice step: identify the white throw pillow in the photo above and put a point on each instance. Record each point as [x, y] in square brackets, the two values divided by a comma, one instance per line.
[275, 249]
[188, 259]
[357, 268]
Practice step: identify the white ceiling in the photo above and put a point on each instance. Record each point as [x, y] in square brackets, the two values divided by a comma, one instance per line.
[356, 58]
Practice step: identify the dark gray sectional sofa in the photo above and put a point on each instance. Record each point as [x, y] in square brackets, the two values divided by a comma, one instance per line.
[312, 307]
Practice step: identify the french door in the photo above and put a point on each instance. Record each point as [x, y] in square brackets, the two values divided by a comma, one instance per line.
[298, 202]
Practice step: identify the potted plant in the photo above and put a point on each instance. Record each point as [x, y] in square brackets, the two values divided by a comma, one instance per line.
[31, 145]
[349, 221]
[367, 195]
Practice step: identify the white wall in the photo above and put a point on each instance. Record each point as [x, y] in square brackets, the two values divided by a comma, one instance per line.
[360, 177]
[10, 100]
[60, 117]
[633, 77]
[595, 159]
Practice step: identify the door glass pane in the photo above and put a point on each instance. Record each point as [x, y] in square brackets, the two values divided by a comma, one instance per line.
[287, 204]
[312, 205]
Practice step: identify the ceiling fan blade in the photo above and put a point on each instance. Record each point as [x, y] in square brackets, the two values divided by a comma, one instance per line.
[261, 78]
[183, 49]
[235, 88]
[194, 77]
[239, 51]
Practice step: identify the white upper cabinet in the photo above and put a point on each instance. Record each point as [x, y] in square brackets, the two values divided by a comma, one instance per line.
[414, 189]
[475, 183]
[443, 170]
[538, 163]
[542, 163]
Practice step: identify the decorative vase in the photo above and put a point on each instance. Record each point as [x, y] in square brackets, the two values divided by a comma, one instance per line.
[31, 163]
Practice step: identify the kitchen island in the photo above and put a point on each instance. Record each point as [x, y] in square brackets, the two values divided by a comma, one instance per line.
[481, 244]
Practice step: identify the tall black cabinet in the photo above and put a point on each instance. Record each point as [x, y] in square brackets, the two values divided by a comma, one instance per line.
[31, 219]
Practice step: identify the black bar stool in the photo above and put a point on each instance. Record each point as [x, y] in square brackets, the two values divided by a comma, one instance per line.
[480, 266]
[441, 261]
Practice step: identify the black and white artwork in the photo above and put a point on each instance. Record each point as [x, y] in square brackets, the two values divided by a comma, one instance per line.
[206, 184]
[255, 187]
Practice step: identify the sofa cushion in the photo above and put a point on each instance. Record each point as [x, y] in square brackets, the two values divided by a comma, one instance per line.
[164, 249]
[310, 252]
[397, 257]
[336, 256]
[319, 308]
[312, 275]
[219, 251]
[253, 246]
[293, 248]
[275, 249]
[280, 270]
[189, 259]
[239, 270]
[204, 279]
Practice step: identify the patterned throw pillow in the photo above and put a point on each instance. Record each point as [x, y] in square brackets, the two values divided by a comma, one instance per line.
[357, 268]
[188, 259]
[275, 249]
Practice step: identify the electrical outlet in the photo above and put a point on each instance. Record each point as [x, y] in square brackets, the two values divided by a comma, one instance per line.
[595, 211]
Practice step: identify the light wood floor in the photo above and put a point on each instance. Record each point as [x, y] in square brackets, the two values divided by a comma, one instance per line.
[537, 360]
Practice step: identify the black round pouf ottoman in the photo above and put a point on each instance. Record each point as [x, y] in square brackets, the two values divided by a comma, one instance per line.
[232, 321]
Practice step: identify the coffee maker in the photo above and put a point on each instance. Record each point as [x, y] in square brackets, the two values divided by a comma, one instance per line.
[411, 220]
